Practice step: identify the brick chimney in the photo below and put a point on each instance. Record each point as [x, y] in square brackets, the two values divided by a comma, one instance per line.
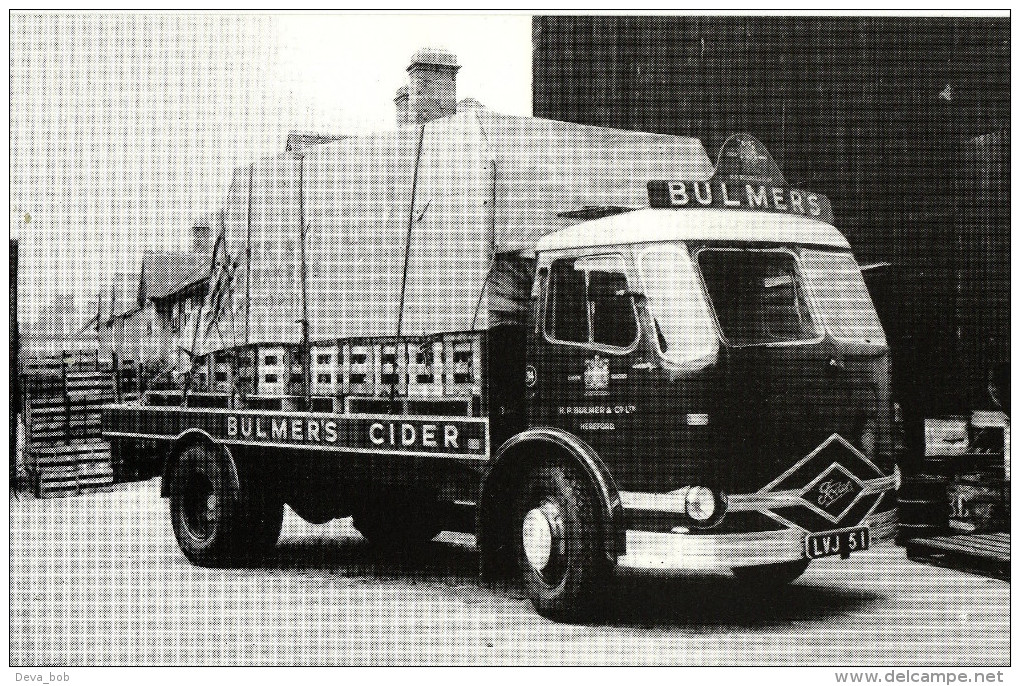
[201, 237]
[432, 85]
[400, 100]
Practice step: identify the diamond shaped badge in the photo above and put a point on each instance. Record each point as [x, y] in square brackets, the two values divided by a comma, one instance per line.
[833, 492]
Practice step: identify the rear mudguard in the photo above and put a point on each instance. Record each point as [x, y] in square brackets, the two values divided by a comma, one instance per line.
[182, 443]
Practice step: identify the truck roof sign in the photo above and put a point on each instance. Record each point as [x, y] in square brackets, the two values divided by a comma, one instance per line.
[745, 178]
[743, 158]
[730, 195]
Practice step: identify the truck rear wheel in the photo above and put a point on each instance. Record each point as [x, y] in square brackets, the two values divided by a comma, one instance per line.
[217, 524]
[771, 576]
[557, 542]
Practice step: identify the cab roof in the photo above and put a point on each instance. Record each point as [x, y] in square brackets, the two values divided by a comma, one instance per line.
[661, 225]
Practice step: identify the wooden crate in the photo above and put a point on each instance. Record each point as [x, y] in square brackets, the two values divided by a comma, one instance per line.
[359, 369]
[57, 424]
[221, 378]
[977, 502]
[74, 361]
[462, 371]
[90, 388]
[425, 368]
[325, 368]
[81, 466]
[200, 373]
[295, 371]
[271, 370]
[74, 414]
[246, 369]
[392, 358]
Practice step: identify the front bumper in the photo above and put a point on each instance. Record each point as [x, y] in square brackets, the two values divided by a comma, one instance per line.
[655, 550]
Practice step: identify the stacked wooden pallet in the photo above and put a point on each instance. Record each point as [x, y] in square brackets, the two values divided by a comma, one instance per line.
[986, 554]
[923, 506]
[88, 389]
[80, 466]
[64, 450]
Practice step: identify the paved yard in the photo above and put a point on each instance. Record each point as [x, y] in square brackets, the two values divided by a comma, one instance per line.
[98, 580]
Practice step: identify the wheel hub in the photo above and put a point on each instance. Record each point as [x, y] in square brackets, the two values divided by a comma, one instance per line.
[200, 503]
[541, 533]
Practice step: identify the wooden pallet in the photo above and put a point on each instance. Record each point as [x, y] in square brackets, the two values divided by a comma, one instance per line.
[923, 509]
[50, 421]
[80, 361]
[65, 453]
[82, 466]
[984, 554]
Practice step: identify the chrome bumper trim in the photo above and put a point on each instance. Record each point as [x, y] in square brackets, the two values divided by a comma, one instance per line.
[653, 550]
[767, 500]
[747, 502]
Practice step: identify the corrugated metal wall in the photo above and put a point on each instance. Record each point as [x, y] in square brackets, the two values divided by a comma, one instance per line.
[854, 107]
[982, 269]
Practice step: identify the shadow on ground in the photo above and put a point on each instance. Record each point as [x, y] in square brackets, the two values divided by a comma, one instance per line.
[634, 599]
[715, 602]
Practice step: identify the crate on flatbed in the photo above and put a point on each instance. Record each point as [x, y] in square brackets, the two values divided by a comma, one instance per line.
[325, 366]
[222, 373]
[407, 371]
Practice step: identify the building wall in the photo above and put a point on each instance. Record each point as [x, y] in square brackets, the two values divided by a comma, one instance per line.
[176, 326]
[856, 108]
[982, 268]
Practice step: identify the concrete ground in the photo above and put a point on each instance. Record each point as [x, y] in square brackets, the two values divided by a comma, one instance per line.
[99, 580]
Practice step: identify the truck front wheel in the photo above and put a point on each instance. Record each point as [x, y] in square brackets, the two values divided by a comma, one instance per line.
[215, 522]
[557, 541]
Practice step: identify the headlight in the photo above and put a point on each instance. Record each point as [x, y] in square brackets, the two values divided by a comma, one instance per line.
[700, 504]
[869, 438]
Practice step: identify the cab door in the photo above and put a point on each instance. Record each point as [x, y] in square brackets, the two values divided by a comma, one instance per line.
[583, 346]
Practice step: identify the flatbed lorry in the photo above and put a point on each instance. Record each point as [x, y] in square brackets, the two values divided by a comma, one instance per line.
[695, 379]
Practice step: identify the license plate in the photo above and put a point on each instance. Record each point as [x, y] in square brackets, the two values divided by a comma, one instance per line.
[837, 542]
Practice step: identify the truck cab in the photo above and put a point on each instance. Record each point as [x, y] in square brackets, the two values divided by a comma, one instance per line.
[727, 368]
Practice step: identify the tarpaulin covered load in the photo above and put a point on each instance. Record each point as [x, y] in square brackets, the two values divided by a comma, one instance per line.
[487, 187]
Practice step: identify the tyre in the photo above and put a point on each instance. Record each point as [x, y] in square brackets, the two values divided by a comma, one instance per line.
[398, 523]
[216, 523]
[557, 542]
[771, 576]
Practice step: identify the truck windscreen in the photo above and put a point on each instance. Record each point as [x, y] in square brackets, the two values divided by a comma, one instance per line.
[676, 302]
[842, 297]
[758, 296]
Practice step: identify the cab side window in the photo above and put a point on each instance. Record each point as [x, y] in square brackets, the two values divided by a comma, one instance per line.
[589, 302]
[567, 313]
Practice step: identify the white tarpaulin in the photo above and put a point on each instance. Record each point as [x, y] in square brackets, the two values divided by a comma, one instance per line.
[487, 185]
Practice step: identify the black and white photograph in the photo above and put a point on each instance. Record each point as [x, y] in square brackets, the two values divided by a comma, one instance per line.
[521, 339]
